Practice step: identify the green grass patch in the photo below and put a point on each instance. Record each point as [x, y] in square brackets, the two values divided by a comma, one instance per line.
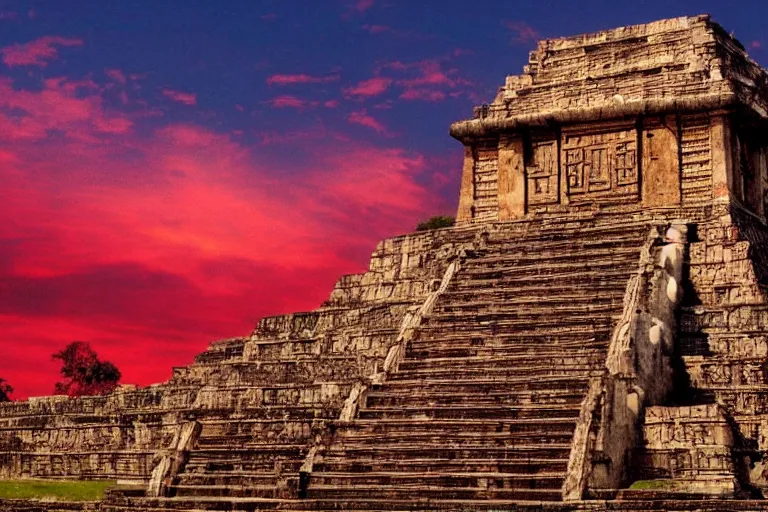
[654, 485]
[54, 490]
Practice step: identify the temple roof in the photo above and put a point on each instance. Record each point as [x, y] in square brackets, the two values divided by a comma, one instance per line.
[672, 65]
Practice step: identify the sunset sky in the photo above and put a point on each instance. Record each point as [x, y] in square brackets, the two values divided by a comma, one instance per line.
[173, 170]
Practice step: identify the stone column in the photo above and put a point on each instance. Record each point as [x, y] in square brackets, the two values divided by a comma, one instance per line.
[467, 193]
[511, 177]
[722, 158]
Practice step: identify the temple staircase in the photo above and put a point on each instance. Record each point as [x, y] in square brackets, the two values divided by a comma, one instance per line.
[484, 406]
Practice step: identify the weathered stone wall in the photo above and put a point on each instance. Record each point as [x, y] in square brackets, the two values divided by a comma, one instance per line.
[688, 443]
[723, 341]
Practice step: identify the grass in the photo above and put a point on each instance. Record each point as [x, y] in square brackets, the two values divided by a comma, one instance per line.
[654, 485]
[54, 490]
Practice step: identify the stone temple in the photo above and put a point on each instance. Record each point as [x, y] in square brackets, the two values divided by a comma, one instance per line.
[597, 317]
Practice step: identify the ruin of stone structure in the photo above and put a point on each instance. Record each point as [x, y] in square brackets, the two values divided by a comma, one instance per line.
[598, 316]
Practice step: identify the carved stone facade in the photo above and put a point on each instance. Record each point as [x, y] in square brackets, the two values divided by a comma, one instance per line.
[651, 114]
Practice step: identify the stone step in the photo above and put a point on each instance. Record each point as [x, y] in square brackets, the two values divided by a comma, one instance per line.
[529, 323]
[513, 373]
[491, 346]
[571, 277]
[477, 269]
[571, 359]
[240, 428]
[440, 479]
[346, 462]
[228, 490]
[546, 255]
[394, 425]
[244, 478]
[195, 504]
[564, 314]
[387, 492]
[257, 458]
[253, 441]
[556, 340]
[562, 242]
[234, 463]
[452, 383]
[478, 451]
[514, 297]
[565, 307]
[393, 397]
[568, 234]
[453, 439]
[472, 411]
[375, 504]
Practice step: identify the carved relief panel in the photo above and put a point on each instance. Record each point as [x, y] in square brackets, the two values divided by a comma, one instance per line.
[601, 165]
[542, 172]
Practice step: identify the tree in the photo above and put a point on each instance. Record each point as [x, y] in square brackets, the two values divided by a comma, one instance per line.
[84, 373]
[5, 391]
[437, 222]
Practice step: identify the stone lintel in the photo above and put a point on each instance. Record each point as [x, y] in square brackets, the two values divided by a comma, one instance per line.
[471, 129]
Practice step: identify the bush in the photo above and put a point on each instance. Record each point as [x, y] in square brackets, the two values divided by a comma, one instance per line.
[440, 221]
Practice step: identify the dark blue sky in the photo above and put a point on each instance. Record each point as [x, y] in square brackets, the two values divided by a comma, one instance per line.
[170, 171]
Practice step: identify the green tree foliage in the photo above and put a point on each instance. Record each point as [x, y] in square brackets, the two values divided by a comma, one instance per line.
[5, 391]
[84, 373]
[437, 222]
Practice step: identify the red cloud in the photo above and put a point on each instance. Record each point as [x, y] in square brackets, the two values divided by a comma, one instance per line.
[300, 78]
[9, 15]
[522, 33]
[427, 80]
[37, 52]
[371, 87]
[376, 29]
[755, 45]
[116, 75]
[422, 94]
[363, 119]
[362, 5]
[186, 98]
[286, 101]
[71, 107]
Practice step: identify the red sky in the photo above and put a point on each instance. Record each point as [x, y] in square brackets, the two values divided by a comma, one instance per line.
[151, 245]
[148, 234]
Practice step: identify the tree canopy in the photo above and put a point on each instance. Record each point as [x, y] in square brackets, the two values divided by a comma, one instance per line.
[84, 373]
[437, 222]
[5, 391]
